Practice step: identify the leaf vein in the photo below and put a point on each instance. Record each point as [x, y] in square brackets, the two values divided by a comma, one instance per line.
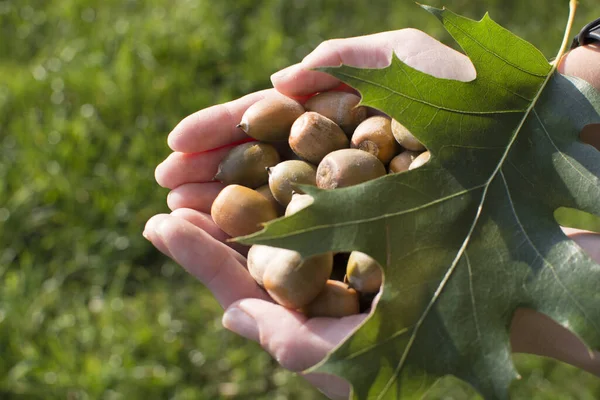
[487, 50]
[465, 243]
[475, 317]
[544, 260]
[379, 217]
[562, 154]
[451, 110]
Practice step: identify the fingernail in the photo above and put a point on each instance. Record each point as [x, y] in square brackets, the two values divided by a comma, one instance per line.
[151, 230]
[241, 323]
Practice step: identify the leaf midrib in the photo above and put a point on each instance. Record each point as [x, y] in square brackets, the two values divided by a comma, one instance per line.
[464, 246]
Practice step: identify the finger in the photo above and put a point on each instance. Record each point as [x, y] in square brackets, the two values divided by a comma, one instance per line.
[206, 223]
[412, 46]
[588, 241]
[332, 386]
[182, 168]
[295, 341]
[150, 233]
[582, 62]
[197, 196]
[215, 126]
[535, 333]
[209, 260]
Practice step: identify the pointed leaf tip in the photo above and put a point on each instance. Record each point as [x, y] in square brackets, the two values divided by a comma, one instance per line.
[433, 10]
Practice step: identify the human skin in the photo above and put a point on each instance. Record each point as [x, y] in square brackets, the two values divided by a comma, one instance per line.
[189, 236]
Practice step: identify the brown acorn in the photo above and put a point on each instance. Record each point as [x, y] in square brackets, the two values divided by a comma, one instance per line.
[374, 135]
[258, 259]
[363, 273]
[240, 211]
[299, 201]
[285, 151]
[340, 107]
[247, 164]
[336, 300]
[270, 119]
[402, 161]
[291, 280]
[285, 174]
[420, 160]
[348, 167]
[405, 138]
[313, 136]
[265, 190]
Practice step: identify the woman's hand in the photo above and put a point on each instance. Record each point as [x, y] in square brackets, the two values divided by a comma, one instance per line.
[190, 237]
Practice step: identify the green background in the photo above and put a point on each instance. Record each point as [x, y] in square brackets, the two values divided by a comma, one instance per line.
[88, 93]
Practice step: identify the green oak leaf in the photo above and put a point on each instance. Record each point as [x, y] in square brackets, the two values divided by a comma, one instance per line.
[468, 238]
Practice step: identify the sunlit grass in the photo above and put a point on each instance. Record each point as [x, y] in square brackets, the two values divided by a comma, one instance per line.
[88, 92]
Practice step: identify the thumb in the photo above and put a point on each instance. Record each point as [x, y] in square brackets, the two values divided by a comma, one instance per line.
[582, 62]
[412, 46]
[295, 341]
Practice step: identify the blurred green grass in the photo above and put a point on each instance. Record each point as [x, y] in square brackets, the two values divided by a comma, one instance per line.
[88, 92]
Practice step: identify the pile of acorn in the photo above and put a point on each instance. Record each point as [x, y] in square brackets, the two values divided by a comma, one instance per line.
[328, 142]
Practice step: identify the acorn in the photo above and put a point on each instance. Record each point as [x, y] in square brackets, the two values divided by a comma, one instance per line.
[405, 138]
[270, 119]
[285, 151]
[402, 161]
[257, 260]
[374, 135]
[247, 164]
[299, 201]
[340, 107]
[336, 300]
[420, 160]
[240, 211]
[285, 174]
[313, 136]
[291, 280]
[348, 167]
[265, 190]
[363, 273]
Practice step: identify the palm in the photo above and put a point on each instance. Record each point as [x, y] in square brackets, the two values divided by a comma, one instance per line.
[191, 238]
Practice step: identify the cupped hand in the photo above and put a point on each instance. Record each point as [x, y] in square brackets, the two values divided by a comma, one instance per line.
[189, 236]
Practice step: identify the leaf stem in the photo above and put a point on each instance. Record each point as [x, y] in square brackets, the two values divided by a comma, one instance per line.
[567, 35]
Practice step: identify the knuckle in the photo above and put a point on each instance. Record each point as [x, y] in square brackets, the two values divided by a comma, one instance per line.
[329, 44]
[286, 356]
